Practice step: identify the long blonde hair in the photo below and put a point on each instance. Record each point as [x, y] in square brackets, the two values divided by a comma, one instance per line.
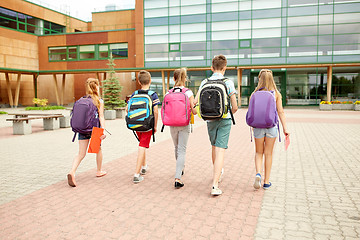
[180, 77]
[91, 87]
[266, 80]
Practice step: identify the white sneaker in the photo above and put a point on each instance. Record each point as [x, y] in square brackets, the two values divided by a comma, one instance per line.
[257, 182]
[138, 179]
[221, 175]
[144, 169]
[215, 191]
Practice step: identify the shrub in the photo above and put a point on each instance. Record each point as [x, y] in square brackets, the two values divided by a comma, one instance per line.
[357, 102]
[335, 102]
[45, 108]
[347, 102]
[325, 102]
[2, 112]
[43, 102]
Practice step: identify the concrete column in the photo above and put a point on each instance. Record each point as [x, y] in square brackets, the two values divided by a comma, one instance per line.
[65, 122]
[329, 82]
[22, 128]
[51, 123]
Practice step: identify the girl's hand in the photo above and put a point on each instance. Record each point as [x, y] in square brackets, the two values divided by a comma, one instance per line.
[286, 133]
[102, 137]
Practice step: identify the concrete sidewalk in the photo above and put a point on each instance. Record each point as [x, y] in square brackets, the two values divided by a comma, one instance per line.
[315, 193]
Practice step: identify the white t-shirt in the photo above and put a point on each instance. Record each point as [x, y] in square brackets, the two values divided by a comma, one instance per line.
[188, 93]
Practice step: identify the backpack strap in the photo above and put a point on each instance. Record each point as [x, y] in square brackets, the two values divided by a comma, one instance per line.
[136, 136]
[74, 137]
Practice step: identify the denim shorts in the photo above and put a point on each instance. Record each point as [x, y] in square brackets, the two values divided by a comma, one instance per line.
[266, 132]
[84, 136]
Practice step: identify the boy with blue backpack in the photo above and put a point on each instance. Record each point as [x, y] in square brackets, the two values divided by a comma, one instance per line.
[265, 108]
[142, 118]
[216, 101]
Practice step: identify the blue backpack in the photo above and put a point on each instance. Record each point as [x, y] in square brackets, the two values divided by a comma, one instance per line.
[140, 112]
[84, 116]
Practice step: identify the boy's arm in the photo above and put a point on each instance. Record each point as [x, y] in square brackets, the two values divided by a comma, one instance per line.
[156, 114]
[234, 106]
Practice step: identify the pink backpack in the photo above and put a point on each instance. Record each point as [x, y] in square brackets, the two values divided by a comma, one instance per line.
[176, 110]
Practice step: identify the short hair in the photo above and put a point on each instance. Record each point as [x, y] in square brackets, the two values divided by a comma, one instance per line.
[219, 62]
[144, 77]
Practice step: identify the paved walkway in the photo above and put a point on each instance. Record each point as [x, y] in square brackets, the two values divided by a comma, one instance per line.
[315, 193]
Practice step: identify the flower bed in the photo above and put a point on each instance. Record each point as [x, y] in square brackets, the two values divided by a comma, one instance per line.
[337, 105]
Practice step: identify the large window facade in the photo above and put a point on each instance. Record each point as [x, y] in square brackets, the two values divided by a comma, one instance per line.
[180, 33]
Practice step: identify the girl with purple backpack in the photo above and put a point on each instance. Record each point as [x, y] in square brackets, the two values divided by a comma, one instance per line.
[265, 136]
[92, 94]
[180, 134]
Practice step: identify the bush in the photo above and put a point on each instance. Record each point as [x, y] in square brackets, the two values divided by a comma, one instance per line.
[2, 112]
[45, 108]
[335, 102]
[357, 102]
[325, 102]
[347, 102]
[43, 102]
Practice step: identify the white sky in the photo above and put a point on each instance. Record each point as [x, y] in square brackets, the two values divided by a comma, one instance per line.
[82, 8]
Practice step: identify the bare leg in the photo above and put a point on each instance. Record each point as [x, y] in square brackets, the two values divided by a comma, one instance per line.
[218, 164]
[140, 159]
[213, 154]
[78, 158]
[269, 147]
[99, 159]
[259, 148]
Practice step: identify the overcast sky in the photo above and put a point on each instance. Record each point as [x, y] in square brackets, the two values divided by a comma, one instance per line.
[82, 8]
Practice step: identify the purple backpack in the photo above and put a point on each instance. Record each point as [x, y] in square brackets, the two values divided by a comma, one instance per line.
[262, 112]
[84, 116]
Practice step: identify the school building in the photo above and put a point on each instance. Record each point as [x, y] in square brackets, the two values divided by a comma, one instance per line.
[312, 47]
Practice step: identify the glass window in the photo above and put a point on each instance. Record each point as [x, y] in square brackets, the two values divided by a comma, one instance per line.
[193, 18]
[266, 23]
[8, 18]
[263, 33]
[174, 3]
[347, 39]
[347, 28]
[174, 38]
[157, 39]
[326, 19]
[346, 85]
[301, 31]
[72, 53]
[225, 44]
[174, 29]
[346, 18]
[325, 40]
[87, 52]
[196, 27]
[174, 47]
[301, 41]
[301, 11]
[195, 9]
[267, 13]
[223, 35]
[193, 55]
[228, 16]
[245, 5]
[189, 37]
[245, 15]
[245, 43]
[324, 9]
[174, 11]
[265, 42]
[156, 30]
[224, 6]
[148, 4]
[263, 4]
[156, 57]
[57, 54]
[193, 46]
[156, 48]
[265, 52]
[222, 26]
[244, 34]
[104, 51]
[298, 21]
[174, 56]
[153, 13]
[191, 2]
[292, 3]
[245, 24]
[119, 50]
[302, 51]
[174, 20]
[156, 21]
[325, 29]
[349, 7]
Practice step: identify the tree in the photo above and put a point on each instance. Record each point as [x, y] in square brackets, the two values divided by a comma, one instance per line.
[112, 88]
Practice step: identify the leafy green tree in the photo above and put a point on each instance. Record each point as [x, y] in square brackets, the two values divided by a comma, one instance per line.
[112, 88]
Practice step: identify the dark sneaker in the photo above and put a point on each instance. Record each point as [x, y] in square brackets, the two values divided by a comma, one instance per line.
[138, 179]
[267, 186]
[179, 184]
[257, 182]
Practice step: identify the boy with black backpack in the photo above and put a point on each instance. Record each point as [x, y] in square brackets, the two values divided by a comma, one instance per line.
[216, 101]
[142, 118]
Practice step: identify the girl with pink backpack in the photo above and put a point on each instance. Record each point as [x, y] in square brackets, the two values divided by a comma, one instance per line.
[264, 108]
[176, 112]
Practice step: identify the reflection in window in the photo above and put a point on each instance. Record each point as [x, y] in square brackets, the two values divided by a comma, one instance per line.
[72, 51]
[57, 54]
[103, 51]
[119, 50]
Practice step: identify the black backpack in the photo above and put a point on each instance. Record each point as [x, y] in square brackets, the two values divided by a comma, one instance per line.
[214, 100]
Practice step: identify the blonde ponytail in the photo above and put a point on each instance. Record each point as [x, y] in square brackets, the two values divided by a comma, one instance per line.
[180, 77]
[91, 87]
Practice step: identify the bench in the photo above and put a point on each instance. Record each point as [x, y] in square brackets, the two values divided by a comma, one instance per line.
[22, 122]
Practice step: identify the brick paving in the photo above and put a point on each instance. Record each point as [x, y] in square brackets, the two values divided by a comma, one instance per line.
[315, 193]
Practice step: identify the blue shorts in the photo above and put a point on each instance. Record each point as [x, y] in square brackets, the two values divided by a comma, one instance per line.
[84, 136]
[265, 132]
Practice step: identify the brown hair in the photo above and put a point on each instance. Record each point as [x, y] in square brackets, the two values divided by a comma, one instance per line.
[91, 87]
[180, 77]
[266, 80]
[144, 77]
[219, 62]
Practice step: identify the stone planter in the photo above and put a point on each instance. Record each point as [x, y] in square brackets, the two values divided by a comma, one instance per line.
[110, 114]
[120, 112]
[357, 107]
[336, 106]
[325, 107]
[342, 106]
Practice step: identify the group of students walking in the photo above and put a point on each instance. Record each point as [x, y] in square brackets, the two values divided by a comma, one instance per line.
[218, 127]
